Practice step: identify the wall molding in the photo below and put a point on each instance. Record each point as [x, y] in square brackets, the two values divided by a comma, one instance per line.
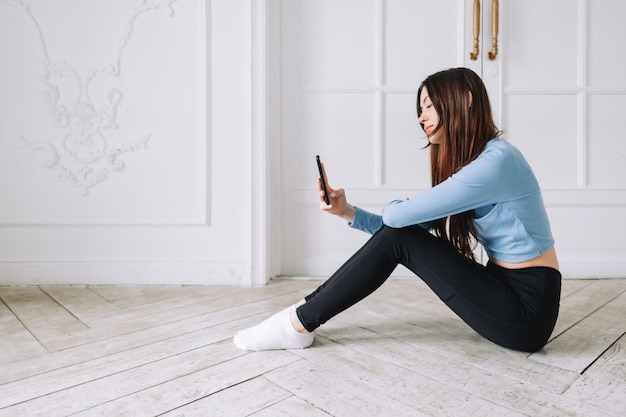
[259, 174]
[125, 273]
[82, 154]
[79, 146]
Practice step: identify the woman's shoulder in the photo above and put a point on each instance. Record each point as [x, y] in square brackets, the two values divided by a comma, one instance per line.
[507, 162]
[495, 158]
[493, 153]
[499, 147]
[501, 155]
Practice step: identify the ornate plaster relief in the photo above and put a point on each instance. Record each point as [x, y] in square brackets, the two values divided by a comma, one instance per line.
[81, 153]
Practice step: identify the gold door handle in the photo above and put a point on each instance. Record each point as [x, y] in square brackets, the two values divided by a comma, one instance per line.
[494, 30]
[474, 53]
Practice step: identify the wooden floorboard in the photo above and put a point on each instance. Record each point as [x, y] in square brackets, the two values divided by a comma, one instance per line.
[151, 351]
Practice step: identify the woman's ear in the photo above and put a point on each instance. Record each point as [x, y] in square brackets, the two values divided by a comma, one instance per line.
[469, 97]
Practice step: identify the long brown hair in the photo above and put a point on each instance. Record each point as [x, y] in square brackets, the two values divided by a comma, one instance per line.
[466, 124]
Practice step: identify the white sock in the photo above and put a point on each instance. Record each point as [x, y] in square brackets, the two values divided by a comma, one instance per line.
[276, 332]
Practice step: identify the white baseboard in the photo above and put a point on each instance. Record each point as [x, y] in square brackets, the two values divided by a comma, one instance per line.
[125, 273]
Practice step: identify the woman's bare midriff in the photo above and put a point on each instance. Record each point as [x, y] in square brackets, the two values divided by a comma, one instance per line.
[548, 259]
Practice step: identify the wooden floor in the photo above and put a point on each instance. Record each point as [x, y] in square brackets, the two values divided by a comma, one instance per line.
[148, 351]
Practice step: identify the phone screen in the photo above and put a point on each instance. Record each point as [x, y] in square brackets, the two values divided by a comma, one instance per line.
[319, 168]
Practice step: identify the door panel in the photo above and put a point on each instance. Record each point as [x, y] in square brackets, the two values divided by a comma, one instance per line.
[606, 54]
[417, 38]
[540, 44]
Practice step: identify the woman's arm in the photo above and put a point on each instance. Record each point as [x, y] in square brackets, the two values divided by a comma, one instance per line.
[485, 181]
[356, 217]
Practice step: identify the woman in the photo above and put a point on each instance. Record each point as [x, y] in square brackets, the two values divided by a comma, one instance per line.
[484, 190]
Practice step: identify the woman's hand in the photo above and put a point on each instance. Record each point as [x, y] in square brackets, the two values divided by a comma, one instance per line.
[338, 206]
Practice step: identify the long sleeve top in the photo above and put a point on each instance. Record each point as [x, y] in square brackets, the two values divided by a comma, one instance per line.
[500, 190]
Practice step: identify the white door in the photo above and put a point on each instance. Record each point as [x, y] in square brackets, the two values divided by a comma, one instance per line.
[563, 104]
[124, 150]
[350, 71]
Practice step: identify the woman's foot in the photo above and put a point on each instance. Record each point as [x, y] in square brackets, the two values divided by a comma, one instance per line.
[277, 332]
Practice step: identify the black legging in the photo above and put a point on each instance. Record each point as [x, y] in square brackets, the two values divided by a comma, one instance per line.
[515, 308]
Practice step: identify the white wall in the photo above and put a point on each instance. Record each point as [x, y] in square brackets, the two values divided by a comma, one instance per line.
[126, 146]
[177, 175]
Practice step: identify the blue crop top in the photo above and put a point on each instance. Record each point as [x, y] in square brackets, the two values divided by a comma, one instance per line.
[500, 189]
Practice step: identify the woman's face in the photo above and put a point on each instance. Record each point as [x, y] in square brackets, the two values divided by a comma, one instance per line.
[429, 119]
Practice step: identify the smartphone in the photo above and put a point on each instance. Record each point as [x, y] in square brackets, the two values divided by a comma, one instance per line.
[319, 168]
